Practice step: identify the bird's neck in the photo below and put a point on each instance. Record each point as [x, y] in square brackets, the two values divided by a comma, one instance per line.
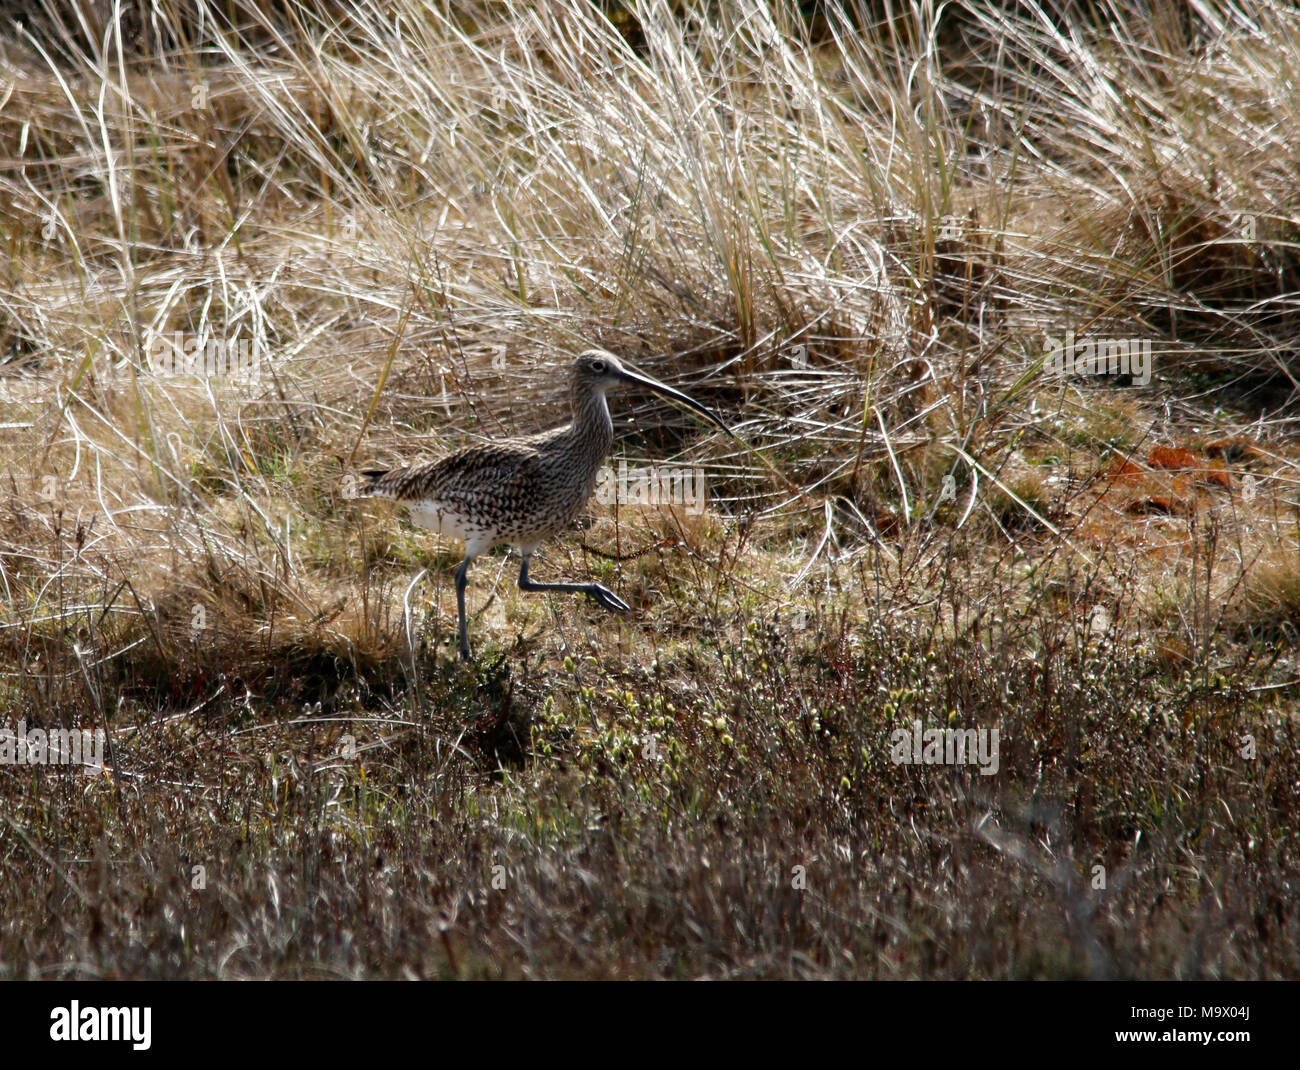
[592, 426]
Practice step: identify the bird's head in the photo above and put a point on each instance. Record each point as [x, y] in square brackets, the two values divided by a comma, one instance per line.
[597, 370]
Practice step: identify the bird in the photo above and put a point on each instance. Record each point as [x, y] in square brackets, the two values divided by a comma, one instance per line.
[522, 491]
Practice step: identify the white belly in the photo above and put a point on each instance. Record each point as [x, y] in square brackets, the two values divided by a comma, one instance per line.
[445, 521]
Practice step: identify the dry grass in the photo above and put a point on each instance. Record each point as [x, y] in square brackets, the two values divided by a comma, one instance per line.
[853, 238]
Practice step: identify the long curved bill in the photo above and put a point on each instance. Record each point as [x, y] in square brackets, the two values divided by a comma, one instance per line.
[667, 391]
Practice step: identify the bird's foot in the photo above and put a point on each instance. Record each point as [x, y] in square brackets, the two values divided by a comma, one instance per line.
[607, 598]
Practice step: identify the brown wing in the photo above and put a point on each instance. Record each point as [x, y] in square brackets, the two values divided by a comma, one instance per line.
[465, 472]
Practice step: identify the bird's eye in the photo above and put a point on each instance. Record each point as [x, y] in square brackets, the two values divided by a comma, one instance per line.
[598, 366]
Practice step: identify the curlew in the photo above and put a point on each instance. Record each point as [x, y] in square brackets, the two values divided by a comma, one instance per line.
[522, 491]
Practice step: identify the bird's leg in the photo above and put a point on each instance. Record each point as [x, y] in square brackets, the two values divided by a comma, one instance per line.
[462, 577]
[598, 594]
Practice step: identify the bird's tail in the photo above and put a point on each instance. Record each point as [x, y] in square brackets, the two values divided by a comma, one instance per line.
[362, 484]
